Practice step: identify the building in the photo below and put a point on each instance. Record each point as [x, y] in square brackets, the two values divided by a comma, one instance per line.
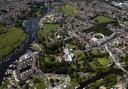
[68, 55]
[26, 65]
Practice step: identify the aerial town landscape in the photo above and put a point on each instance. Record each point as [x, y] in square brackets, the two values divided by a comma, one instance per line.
[63, 44]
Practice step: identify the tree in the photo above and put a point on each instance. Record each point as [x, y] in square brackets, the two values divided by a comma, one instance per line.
[36, 80]
[21, 83]
[26, 86]
[110, 80]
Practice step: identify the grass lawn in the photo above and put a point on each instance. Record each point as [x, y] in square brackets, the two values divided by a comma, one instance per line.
[2, 29]
[103, 19]
[69, 10]
[101, 62]
[46, 29]
[101, 28]
[10, 40]
[104, 61]
[41, 85]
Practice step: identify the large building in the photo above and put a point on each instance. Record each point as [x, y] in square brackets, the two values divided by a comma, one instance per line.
[26, 65]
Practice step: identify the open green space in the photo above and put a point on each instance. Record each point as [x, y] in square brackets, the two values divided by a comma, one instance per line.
[104, 61]
[10, 40]
[100, 64]
[101, 27]
[103, 19]
[69, 10]
[46, 29]
[3, 29]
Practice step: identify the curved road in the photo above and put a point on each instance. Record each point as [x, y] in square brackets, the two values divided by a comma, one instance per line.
[31, 30]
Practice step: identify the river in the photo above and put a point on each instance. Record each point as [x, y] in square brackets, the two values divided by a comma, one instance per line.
[31, 30]
[32, 27]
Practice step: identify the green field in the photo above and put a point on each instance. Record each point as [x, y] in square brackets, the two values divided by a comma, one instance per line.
[100, 63]
[69, 10]
[10, 40]
[103, 19]
[104, 61]
[101, 28]
[46, 29]
[2, 29]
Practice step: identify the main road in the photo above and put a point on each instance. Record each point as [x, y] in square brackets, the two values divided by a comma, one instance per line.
[117, 63]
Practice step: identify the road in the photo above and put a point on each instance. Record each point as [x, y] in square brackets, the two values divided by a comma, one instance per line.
[117, 63]
[101, 76]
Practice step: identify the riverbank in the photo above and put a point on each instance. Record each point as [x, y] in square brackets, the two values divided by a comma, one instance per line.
[31, 31]
[10, 40]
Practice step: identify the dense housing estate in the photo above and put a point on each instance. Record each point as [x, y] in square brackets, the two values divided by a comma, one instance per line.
[69, 44]
[26, 65]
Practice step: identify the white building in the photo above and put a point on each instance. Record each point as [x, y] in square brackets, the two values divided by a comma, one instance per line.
[68, 55]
